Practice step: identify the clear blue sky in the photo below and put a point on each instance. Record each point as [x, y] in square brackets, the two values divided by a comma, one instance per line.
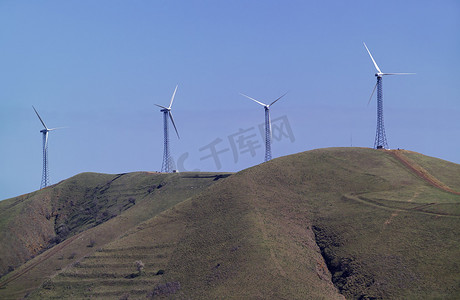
[98, 68]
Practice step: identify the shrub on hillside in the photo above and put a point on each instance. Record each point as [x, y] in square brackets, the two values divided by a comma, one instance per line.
[160, 272]
[139, 266]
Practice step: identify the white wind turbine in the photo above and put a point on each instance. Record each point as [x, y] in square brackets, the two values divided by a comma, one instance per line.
[380, 136]
[45, 173]
[167, 165]
[268, 125]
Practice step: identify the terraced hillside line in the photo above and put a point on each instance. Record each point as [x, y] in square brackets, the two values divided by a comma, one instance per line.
[417, 209]
[421, 172]
[41, 259]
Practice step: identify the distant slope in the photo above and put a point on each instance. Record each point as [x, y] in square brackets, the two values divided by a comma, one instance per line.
[322, 224]
[63, 218]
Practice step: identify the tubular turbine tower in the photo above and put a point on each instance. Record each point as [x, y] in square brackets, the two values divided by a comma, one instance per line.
[167, 165]
[380, 136]
[268, 126]
[45, 174]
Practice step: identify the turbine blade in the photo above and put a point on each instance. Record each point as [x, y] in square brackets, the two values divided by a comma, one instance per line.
[172, 120]
[373, 91]
[172, 98]
[39, 117]
[375, 64]
[263, 104]
[162, 106]
[398, 74]
[277, 99]
[57, 128]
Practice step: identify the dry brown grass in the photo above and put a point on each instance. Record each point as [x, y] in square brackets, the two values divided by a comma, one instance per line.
[323, 224]
[87, 189]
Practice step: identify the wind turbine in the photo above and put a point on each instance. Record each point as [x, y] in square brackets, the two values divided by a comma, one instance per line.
[167, 165]
[45, 175]
[380, 137]
[268, 126]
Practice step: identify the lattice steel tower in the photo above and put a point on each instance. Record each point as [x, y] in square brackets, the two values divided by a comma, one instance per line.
[380, 136]
[45, 173]
[268, 135]
[268, 126]
[168, 163]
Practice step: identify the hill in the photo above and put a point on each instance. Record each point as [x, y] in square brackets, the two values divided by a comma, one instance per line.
[332, 223]
[54, 227]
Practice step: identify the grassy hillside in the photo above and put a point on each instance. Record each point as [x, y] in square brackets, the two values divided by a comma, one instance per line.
[79, 215]
[31, 223]
[324, 224]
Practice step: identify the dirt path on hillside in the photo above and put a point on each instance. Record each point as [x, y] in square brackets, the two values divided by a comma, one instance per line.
[421, 172]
